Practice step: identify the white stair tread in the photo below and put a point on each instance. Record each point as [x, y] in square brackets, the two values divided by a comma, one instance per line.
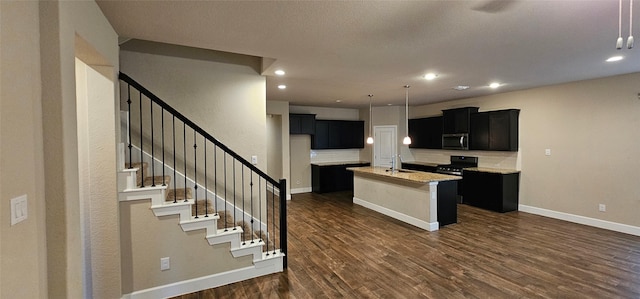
[144, 189]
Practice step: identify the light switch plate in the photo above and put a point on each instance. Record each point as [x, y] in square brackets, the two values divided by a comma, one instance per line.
[18, 209]
[165, 263]
[254, 160]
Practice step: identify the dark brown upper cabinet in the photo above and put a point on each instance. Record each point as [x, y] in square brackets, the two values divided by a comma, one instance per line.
[426, 132]
[338, 134]
[494, 130]
[302, 124]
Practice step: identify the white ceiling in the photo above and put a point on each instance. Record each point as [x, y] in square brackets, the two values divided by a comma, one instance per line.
[344, 50]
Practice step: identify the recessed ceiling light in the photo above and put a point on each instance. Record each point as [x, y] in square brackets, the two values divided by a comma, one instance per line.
[389, 104]
[430, 76]
[461, 87]
[282, 86]
[338, 101]
[279, 72]
[494, 85]
[614, 58]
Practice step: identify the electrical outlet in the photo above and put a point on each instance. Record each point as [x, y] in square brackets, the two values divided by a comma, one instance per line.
[602, 207]
[165, 263]
[547, 152]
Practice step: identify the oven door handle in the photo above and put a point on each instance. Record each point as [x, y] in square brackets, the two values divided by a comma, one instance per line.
[461, 141]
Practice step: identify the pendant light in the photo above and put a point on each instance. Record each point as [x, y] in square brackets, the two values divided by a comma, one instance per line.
[370, 138]
[407, 139]
[619, 41]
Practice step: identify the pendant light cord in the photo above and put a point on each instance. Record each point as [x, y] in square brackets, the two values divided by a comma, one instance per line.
[620, 20]
[370, 117]
[630, 39]
[406, 108]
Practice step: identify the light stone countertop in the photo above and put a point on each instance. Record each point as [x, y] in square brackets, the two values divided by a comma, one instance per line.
[339, 163]
[492, 170]
[406, 175]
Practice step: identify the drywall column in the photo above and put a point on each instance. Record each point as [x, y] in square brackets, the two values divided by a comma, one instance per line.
[61, 22]
[23, 247]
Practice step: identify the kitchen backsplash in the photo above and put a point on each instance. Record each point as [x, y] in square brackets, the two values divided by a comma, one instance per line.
[340, 155]
[506, 160]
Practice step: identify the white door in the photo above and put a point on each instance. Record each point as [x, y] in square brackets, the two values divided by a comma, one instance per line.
[384, 145]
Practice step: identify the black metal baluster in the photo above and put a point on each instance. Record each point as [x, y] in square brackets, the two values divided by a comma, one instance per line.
[184, 155]
[175, 165]
[273, 215]
[141, 152]
[243, 211]
[266, 202]
[251, 193]
[235, 207]
[129, 123]
[283, 221]
[215, 177]
[206, 190]
[226, 211]
[163, 149]
[153, 159]
[195, 172]
[263, 231]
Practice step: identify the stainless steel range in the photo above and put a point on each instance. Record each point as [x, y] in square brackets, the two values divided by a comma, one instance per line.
[458, 163]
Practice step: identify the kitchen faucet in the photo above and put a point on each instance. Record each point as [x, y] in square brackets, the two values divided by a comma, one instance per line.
[394, 164]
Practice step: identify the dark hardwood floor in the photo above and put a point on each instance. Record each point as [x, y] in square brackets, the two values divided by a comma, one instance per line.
[341, 250]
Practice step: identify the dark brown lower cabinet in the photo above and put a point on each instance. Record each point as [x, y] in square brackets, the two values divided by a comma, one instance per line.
[447, 202]
[492, 191]
[332, 178]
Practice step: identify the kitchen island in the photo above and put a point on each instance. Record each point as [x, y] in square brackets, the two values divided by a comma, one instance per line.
[423, 199]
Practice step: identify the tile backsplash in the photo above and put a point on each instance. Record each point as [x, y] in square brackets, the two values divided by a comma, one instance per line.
[338, 155]
[506, 160]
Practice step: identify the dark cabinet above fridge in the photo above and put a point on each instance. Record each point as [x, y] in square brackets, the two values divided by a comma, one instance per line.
[302, 124]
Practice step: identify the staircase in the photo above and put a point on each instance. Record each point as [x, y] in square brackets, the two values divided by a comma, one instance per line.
[209, 187]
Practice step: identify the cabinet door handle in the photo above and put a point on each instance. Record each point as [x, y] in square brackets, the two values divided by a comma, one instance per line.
[461, 141]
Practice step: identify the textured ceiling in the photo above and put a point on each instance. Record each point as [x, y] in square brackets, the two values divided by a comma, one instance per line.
[344, 50]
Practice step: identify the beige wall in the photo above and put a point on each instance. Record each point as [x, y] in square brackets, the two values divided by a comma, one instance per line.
[300, 162]
[23, 268]
[282, 109]
[590, 127]
[144, 239]
[69, 30]
[274, 146]
[41, 256]
[221, 94]
[98, 210]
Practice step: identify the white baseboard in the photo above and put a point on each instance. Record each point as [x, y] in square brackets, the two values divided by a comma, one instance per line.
[206, 282]
[623, 228]
[301, 190]
[430, 226]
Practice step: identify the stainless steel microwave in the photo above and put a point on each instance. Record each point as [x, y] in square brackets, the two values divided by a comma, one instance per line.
[455, 141]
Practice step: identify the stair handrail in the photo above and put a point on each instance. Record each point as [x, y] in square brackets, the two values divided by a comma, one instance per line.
[124, 77]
